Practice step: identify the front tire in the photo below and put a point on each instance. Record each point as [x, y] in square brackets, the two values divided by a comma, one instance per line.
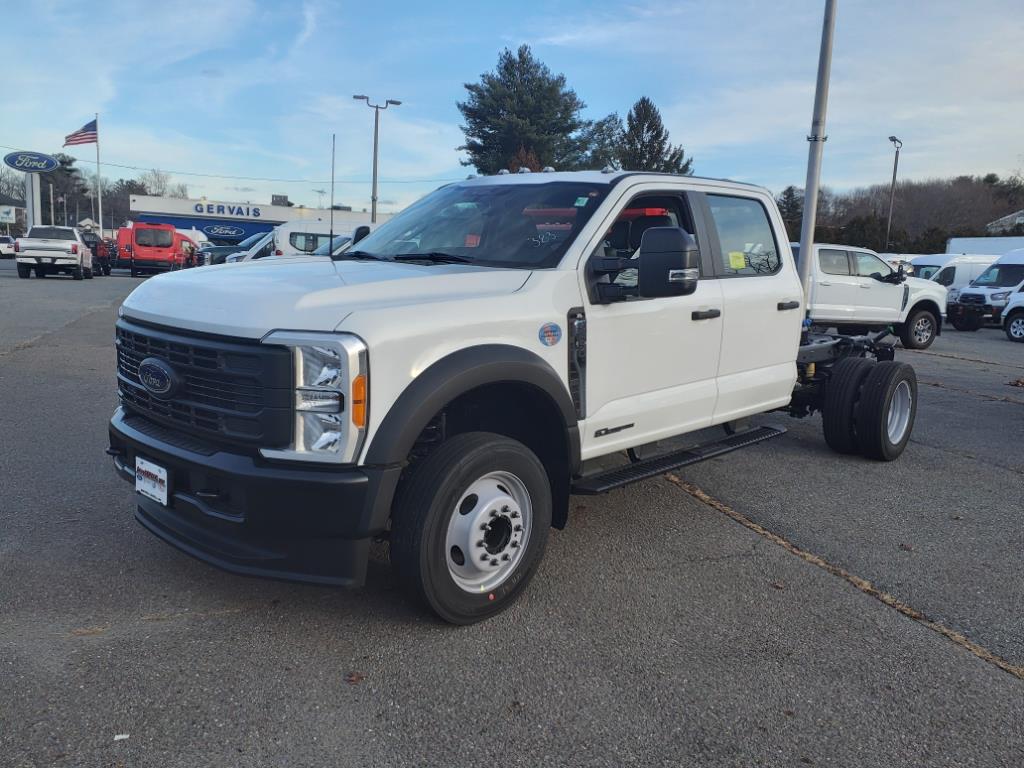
[41, 272]
[887, 409]
[1014, 327]
[469, 526]
[919, 330]
[842, 393]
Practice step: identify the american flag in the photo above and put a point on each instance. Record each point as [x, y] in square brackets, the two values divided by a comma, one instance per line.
[87, 134]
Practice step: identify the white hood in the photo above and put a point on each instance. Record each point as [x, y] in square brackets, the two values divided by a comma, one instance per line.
[252, 298]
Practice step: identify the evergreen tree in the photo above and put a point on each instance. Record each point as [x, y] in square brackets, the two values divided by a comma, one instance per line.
[521, 110]
[791, 206]
[645, 144]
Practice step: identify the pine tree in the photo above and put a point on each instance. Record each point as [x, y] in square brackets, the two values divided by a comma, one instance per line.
[791, 206]
[521, 110]
[645, 144]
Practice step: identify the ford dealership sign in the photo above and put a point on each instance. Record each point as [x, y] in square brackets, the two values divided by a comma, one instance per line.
[31, 162]
[223, 230]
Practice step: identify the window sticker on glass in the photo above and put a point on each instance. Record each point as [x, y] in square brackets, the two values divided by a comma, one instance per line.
[581, 201]
[737, 260]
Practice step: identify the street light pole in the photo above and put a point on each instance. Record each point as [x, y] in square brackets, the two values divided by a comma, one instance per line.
[892, 189]
[376, 142]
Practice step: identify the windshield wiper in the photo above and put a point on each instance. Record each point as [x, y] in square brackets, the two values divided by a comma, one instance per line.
[435, 257]
[361, 255]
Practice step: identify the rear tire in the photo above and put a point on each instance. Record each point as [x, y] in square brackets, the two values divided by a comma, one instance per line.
[887, 409]
[455, 545]
[87, 273]
[41, 272]
[842, 393]
[24, 270]
[919, 330]
[78, 273]
[1014, 326]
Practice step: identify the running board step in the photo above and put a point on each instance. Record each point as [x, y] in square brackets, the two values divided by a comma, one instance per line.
[658, 465]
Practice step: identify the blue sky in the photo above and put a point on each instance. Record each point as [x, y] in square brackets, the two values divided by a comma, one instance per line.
[247, 88]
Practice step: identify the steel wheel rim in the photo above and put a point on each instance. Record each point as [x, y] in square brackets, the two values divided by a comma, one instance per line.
[900, 407]
[1017, 327]
[922, 330]
[488, 532]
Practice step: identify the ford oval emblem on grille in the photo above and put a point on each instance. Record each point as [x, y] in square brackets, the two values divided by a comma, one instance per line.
[157, 377]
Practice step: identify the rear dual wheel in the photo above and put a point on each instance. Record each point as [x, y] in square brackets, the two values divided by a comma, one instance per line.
[870, 408]
[469, 526]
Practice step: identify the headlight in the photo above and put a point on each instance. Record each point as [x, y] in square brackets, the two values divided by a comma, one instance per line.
[330, 396]
[1001, 296]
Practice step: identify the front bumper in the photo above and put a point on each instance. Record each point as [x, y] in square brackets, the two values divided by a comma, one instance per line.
[250, 516]
[985, 312]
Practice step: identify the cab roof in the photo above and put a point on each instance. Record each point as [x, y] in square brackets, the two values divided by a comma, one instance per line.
[609, 178]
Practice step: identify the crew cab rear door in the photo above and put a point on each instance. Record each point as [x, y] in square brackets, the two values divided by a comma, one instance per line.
[651, 363]
[762, 303]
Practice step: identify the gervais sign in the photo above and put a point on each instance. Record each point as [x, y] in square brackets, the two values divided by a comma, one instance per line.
[217, 209]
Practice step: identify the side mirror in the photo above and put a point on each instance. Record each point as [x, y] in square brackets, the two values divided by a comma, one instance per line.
[361, 231]
[669, 263]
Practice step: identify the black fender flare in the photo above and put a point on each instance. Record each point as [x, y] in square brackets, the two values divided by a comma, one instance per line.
[456, 374]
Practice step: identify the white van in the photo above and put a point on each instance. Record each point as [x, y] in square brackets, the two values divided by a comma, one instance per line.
[302, 236]
[959, 271]
[984, 300]
[927, 265]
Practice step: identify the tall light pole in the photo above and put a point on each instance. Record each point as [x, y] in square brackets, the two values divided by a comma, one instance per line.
[816, 140]
[892, 189]
[376, 134]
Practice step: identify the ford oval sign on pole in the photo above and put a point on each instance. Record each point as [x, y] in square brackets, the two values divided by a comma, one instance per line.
[31, 162]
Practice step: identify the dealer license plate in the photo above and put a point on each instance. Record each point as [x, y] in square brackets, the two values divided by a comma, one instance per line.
[151, 480]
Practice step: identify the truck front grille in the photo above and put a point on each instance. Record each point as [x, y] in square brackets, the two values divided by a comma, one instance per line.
[972, 298]
[227, 391]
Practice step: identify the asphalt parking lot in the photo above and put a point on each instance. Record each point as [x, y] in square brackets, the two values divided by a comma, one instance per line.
[777, 606]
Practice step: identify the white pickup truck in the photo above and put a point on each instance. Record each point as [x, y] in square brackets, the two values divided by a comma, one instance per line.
[448, 381]
[49, 250]
[855, 291]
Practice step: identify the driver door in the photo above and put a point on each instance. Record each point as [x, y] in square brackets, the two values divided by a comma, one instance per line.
[651, 364]
[880, 301]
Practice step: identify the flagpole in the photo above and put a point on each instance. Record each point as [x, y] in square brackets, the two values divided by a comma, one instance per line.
[99, 187]
[330, 247]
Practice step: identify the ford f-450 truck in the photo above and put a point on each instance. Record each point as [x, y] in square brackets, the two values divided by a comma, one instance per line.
[451, 379]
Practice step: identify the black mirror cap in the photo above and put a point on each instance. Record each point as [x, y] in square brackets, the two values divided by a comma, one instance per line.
[669, 263]
[361, 231]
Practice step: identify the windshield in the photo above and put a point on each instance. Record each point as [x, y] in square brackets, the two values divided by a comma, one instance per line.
[157, 238]
[925, 271]
[1001, 276]
[338, 241]
[501, 225]
[52, 233]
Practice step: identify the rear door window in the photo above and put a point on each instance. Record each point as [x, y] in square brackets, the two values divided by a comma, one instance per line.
[834, 262]
[746, 241]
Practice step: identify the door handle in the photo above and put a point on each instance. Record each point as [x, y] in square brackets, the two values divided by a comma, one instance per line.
[865, 287]
[784, 305]
[824, 282]
[706, 314]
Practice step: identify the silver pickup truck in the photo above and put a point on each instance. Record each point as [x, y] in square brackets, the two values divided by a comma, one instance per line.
[49, 250]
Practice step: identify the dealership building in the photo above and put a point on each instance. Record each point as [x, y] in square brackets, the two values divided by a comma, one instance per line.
[231, 222]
